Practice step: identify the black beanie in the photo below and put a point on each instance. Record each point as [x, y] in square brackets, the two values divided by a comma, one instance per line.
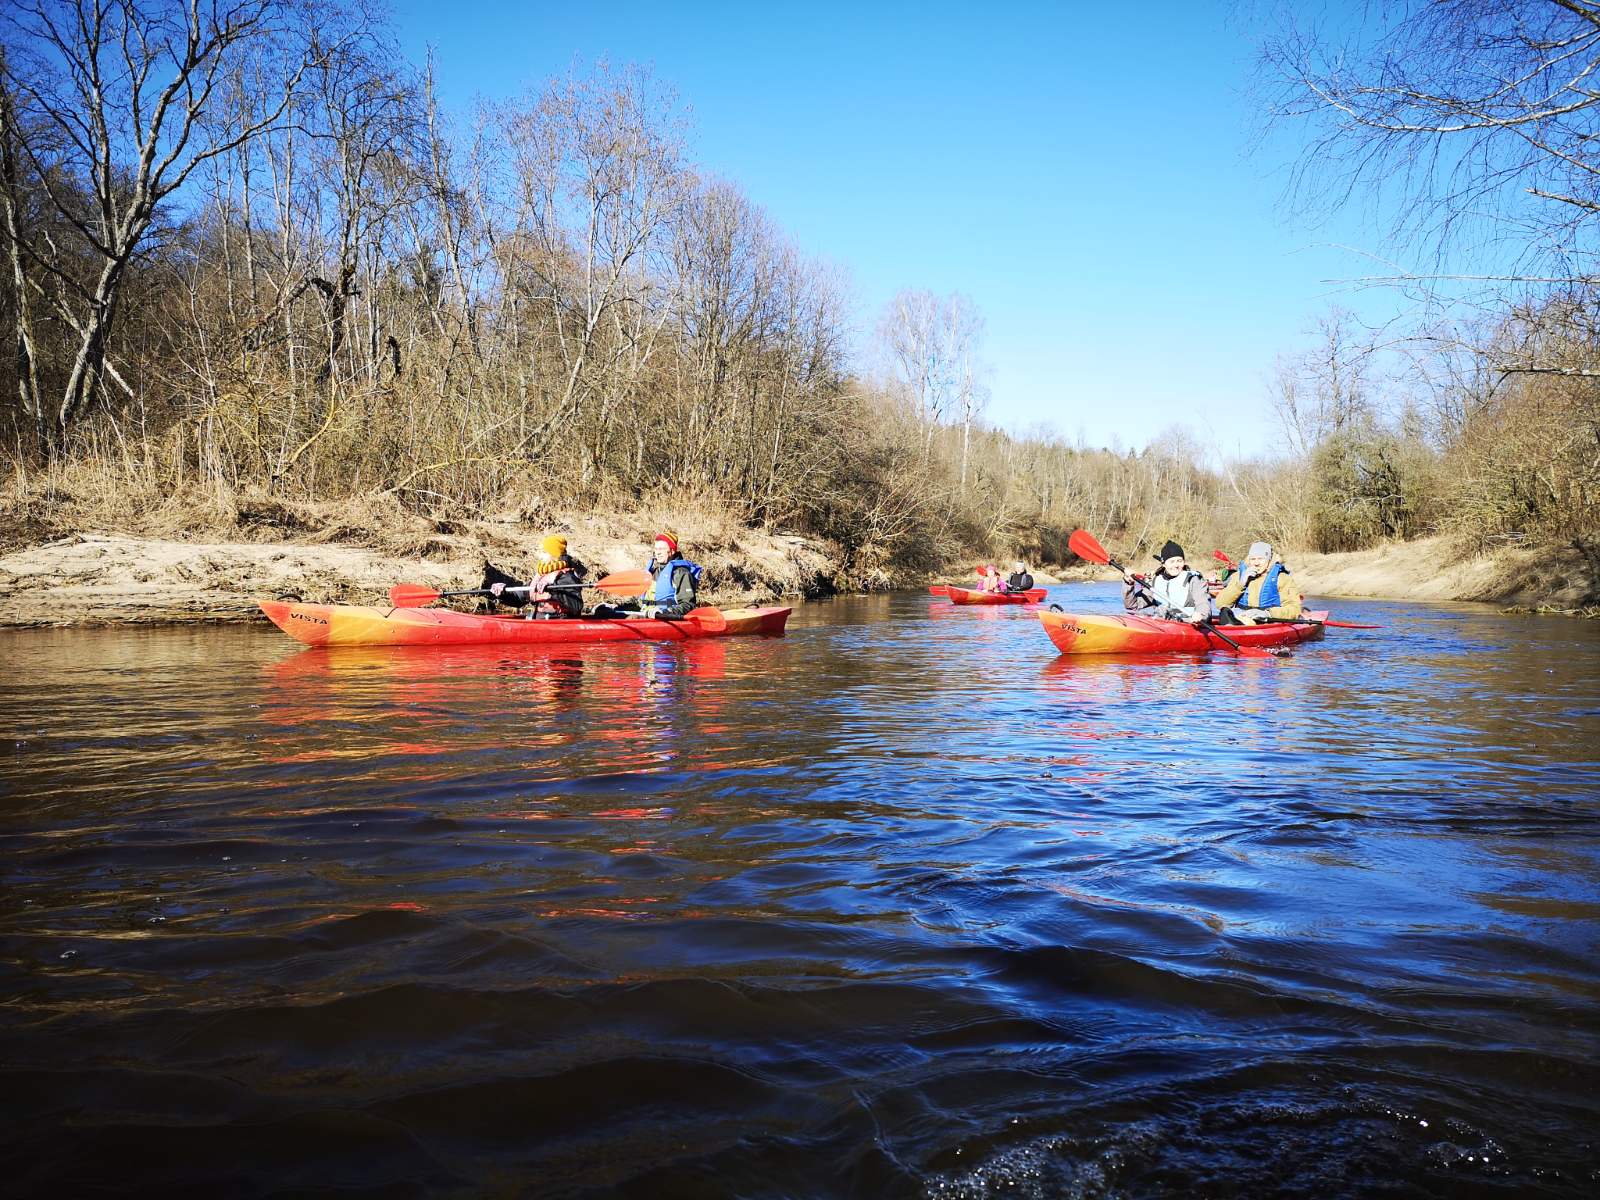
[1170, 550]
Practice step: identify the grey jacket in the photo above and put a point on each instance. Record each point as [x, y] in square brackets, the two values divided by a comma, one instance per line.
[1141, 599]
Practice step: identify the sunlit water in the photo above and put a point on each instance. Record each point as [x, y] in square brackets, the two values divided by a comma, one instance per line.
[901, 904]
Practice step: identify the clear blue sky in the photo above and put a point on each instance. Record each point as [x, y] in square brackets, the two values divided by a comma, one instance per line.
[1079, 170]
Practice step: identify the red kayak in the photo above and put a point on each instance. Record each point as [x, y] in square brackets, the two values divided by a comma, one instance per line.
[961, 595]
[1108, 633]
[362, 625]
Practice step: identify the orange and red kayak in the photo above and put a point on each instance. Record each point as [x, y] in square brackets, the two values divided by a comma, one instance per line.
[961, 595]
[365, 625]
[1110, 633]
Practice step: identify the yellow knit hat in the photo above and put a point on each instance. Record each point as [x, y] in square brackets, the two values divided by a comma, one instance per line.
[553, 546]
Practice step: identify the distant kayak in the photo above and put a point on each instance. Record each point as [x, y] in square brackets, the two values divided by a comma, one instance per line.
[1109, 633]
[961, 595]
[365, 625]
[938, 589]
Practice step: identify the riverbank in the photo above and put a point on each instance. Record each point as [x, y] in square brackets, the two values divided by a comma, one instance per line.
[1542, 577]
[194, 563]
[353, 553]
[1544, 580]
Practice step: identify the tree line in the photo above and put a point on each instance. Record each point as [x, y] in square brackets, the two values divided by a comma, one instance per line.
[245, 250]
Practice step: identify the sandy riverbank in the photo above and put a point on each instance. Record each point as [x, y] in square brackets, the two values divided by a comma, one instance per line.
[327, 554]
[353, 553]
[1435, 569]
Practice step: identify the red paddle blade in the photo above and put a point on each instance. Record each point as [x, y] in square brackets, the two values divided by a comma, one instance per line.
[1244, 651]
[709, 619]
[624, 583]
[412, 595]
[982, 570]
[1222, 558]
[1082, 544]
[1348, 625]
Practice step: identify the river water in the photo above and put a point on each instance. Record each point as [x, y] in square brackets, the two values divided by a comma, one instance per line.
[901, 904]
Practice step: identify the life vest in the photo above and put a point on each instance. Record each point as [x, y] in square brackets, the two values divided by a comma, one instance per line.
[663, 592]
[1174, 591]
[1268, 597]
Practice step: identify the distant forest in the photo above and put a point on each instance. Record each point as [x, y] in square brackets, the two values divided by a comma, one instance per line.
[243, 251]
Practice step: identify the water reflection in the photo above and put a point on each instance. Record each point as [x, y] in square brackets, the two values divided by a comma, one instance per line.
[901, 904]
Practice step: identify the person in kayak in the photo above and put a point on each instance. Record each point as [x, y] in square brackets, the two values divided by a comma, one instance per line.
[1176, 592]
[673, 592]
[555, 566]
[1262, 589]
[990, 580]
[1019, 580]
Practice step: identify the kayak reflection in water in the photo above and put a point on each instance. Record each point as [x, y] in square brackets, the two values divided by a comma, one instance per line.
[1262, 590]
[1176, 592]
[673, 591]
[1019, 580]
[556, 590]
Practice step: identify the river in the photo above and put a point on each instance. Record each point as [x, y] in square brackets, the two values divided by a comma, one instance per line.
[900, 904]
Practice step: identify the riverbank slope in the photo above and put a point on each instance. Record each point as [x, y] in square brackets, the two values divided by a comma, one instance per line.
[1436, 569]
[217, 569]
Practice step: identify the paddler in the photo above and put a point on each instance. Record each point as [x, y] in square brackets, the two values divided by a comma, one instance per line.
[991, 581]
[672, 594]
[556, 589]
[1019, 580]
[1263, 589]
[1176, 592]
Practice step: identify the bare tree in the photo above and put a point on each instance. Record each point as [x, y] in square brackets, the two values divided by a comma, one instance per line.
[129, 93]
[1327, 390]
[1478, 119]
[932, 344]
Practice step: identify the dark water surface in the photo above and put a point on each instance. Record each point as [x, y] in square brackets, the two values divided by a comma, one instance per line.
[901, 904]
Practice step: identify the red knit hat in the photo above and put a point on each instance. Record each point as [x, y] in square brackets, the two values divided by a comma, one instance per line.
[669, 540]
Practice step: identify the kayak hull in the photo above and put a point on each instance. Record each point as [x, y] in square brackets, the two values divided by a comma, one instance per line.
[365, 625]
[961, 595]
[1107, 633]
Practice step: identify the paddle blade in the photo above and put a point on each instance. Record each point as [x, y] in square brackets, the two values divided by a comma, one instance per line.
[1255, 651]
[1082, 544]
[1222, 558]
[1349, 625]
[982, 570]
[412, 595]
[624, 583]
[710, 620]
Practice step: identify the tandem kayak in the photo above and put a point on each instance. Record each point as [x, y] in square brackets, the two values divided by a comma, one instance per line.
[961, 595]
[364, 625]
[1108, 633]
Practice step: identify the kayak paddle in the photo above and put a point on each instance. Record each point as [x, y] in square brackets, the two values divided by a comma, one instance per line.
[415, 595]
[1083, 544]
[709, 619]
[1223, 558]
[1349, 625]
